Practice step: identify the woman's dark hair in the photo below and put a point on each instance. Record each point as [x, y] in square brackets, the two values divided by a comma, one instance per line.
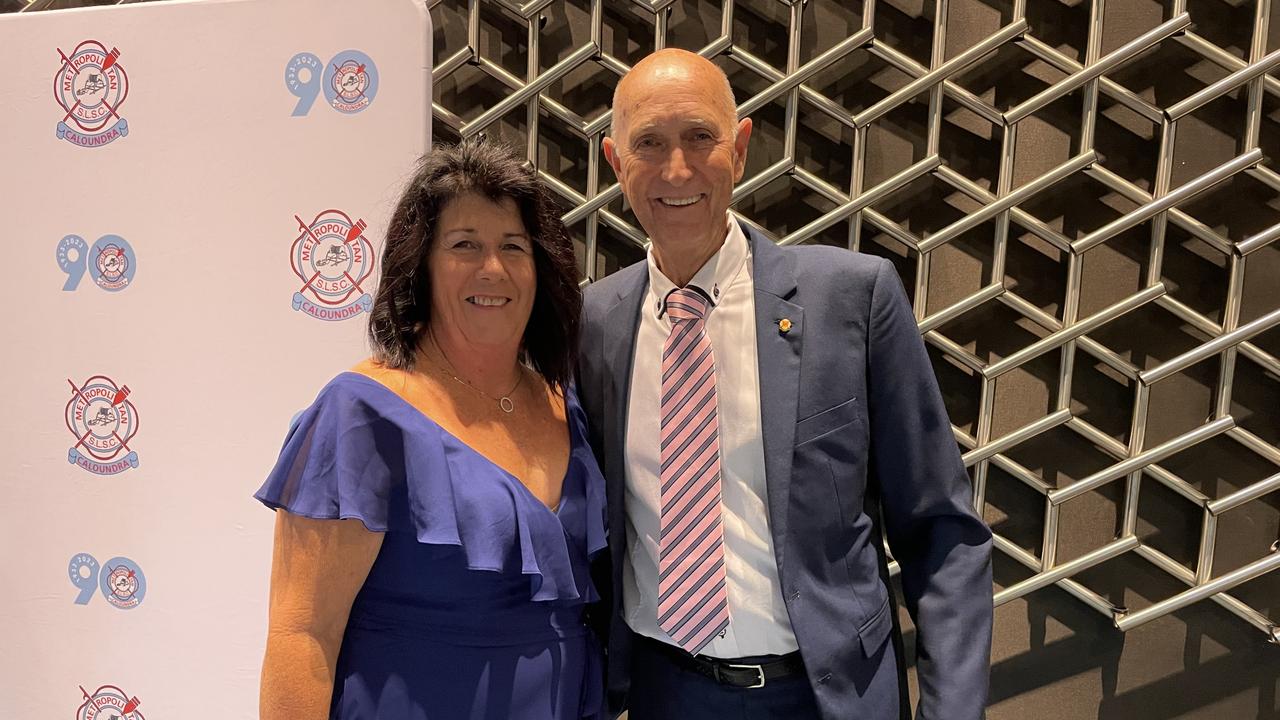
[402, 307]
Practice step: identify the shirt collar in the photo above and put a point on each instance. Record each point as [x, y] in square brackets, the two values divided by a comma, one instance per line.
[713, 278]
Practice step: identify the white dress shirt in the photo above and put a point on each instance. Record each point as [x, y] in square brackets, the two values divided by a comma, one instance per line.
[758, 620]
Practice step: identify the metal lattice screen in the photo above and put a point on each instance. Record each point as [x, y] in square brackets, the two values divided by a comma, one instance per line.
[1080, 197]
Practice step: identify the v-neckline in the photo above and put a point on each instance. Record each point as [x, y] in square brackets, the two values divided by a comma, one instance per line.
[469, 448]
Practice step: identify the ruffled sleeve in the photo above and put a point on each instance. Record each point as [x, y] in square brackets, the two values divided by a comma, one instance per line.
[341, 459]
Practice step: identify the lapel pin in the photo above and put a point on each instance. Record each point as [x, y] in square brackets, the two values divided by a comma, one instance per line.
[784, 325]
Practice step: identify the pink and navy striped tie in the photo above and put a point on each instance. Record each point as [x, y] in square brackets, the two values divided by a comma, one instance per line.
[692, 602]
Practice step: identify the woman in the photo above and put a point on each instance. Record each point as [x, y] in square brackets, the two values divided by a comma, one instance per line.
[440, 502]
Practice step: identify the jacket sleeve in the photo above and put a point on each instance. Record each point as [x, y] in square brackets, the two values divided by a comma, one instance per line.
[940, 543]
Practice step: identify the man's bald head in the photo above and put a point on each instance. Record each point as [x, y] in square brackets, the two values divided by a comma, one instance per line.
[672, 65]
[677, 149]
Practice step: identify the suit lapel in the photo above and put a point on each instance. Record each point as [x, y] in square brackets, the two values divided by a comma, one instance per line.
[778, 355]
[621, 324]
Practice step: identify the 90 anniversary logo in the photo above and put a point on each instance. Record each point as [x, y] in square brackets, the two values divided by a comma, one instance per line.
[332, 258]
[91, 86]
[103, 421]
[108, 703]
[349, 81]
[121, 582]
[110, 262]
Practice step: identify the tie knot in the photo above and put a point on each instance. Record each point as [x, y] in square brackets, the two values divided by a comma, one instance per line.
[686, 303]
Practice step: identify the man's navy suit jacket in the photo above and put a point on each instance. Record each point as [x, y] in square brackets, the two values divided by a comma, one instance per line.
[856, 439]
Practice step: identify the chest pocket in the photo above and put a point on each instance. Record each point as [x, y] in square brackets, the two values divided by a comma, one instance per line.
[827, 421]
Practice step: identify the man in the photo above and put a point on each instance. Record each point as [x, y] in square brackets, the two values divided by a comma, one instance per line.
[759, 413]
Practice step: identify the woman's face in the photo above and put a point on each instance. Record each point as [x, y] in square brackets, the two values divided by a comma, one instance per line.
[482, 273]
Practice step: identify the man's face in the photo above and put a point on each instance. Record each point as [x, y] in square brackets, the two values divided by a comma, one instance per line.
[677, 151]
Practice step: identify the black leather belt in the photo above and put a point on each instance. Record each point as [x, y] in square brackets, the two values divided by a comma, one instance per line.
[730, 672]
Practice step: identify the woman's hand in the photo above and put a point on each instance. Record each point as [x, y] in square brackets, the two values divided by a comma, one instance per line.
[317, 568]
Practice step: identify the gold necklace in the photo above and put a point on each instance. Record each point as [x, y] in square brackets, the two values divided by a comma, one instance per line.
[504, 402]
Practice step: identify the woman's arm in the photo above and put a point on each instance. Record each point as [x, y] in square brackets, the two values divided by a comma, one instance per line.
[317, 568]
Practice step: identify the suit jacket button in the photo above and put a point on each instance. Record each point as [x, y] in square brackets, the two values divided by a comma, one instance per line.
[823, 680]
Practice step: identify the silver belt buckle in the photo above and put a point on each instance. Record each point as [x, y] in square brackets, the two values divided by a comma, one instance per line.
[759, 671]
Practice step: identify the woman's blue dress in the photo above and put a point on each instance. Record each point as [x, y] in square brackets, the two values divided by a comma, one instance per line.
[474, 605]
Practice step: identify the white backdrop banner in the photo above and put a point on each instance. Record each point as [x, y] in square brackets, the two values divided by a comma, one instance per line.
[194, 198]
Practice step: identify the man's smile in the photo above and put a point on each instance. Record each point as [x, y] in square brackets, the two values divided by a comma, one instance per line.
[681, 201]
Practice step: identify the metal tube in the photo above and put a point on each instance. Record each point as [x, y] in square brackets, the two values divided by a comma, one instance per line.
[1216, 345]
[960, 307]
[1113, 59]
[946, 345]
[1049, 543]
[876, 193]
[608, 195]
[1255, 444]
[1208, 538]
[1109, 87]
[946, 70]
[963, 97]
[1107, 552]
[762, 178]
[510, 102]
[888, 227]
[1177, 484]
[1223, 86]
[1022, 217]
[1089, 324]
[1182, 194]
[449, 64]
[1222, 58]
[790, 80]
[1020, 473]
[1156, 454]
[1027, 191]
[1179, 218]
[1244, 495]
[1127, 621]
[1017, 437]
[1258, 241]
[811, 96]
[1073, 588]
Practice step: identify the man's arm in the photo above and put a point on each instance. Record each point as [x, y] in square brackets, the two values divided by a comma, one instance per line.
[941, 545]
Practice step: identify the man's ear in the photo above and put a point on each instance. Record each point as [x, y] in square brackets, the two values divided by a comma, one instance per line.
[740, 148]
[610, 150]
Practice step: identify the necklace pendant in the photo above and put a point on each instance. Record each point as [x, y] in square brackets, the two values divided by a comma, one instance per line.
[507, 406]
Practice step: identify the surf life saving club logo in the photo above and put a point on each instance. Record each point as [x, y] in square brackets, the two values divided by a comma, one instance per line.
[108, 703]
[333, 259]
[91, 85]
[103, 421]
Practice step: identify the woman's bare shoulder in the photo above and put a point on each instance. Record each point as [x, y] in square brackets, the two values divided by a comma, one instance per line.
[412, 387]
[374, 369]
